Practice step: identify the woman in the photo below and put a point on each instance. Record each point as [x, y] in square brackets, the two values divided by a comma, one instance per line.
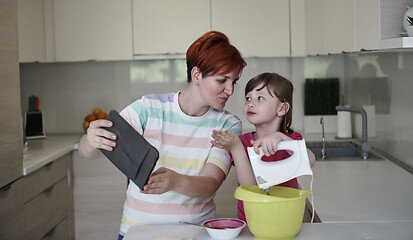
[189, 170]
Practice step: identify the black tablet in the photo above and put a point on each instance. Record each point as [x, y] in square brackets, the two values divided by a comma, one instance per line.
[133, 154]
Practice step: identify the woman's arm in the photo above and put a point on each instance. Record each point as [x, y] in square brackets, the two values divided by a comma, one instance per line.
[164, 180]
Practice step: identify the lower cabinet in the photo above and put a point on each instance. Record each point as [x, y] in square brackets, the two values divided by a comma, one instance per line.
[12, 211]
[48, 201]
[99, 194]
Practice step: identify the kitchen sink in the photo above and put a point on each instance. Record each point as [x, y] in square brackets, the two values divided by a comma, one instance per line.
[348, 150]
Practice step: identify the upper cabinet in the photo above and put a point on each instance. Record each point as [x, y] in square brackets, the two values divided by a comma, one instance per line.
[337, 26]
[83, 30]
[31, 30]
[35, 29]
[329, 26]
[92, 30]
[256, 28]
[167, 28]
[105, 30]
[78, 30]
[164, 27]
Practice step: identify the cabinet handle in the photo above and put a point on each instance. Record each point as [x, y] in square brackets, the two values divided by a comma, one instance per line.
[49, 164]
[69, 178]
[49, 189]
[49, 233]
[5, 190]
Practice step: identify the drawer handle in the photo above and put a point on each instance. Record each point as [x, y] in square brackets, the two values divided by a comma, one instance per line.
[5, 190]
[49, 189]
[49, 164]
[49, 233]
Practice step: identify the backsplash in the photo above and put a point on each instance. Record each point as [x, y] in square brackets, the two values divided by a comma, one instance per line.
[382, 79]
[69, 91]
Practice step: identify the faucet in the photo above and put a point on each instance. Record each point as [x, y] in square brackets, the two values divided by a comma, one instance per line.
[323, 150]
[365, 147]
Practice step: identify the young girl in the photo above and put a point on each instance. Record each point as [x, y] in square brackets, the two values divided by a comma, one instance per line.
[268, 106]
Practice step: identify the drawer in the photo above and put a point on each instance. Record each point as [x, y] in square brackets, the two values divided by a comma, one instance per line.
[46, 210]
[37, 181]
[60, 232]
[12, 211]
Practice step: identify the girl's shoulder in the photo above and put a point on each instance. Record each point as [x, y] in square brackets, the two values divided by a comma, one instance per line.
[294, 135]
[246, 138]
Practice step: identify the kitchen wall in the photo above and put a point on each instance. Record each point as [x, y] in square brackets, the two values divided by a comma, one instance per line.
[383, 79]
[70, 91]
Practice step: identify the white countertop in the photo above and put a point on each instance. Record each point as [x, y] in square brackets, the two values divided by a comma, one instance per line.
[315, 231]
[354, 199]
[42, 151]
[354, 191]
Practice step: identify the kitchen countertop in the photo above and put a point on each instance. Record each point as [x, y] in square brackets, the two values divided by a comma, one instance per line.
[349, 191]
[308, 231]
[360, 190]
[354, 199]
[42, 151]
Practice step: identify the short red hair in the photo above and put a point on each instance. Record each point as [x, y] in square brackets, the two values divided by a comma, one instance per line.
[213, 54]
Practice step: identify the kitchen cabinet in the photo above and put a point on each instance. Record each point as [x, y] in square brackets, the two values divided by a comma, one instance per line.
[163, 27]
[336, 26]
[31, 29]
[92, 30]
[11, 138]
[64, 31]
[99, 194]
[256, 28]
[47, 197]
[36, 33]
[329, 26]
[367, 27]
[12, 211]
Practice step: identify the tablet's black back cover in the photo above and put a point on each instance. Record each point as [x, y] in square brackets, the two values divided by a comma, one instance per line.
[133, 154]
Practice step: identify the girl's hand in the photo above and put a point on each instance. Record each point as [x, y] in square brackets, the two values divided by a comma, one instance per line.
[97, 137]
[162, 181]
[224, 139]
[269, 143]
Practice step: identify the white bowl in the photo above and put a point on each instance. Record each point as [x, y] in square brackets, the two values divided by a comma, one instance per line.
[224, 228]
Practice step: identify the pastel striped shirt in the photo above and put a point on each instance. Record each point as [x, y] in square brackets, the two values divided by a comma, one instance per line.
[184, 146]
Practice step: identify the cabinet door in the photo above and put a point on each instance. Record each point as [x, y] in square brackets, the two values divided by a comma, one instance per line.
[11, 127]
[46, 210]
[330, 26]
[313, 27]
[168, 27]
[367, 24]
[338, 26]
[12, 211]
[257, 28]
[99, 190]
[31, 30]
[92, 30]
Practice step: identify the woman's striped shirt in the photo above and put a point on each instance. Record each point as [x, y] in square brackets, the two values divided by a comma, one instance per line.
[184, 146]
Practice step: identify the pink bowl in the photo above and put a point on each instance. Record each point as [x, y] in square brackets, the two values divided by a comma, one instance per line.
[224, 228]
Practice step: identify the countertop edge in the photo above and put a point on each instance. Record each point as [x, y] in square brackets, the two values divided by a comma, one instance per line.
[44, 151]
